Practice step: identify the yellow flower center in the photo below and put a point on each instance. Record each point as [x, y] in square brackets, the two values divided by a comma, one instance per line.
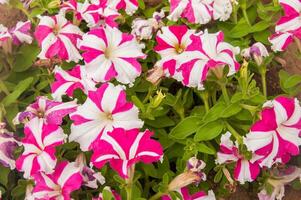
[179, 48]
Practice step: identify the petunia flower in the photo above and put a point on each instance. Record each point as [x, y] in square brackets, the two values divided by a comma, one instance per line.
[195, 11]
[21, 33]
[184, 192]
[171, 42]
[58, 37]
[109, 53]
[257, 52]
[52, 112]
[104, 110]
[90, 177]
[245, 170]
[8, 144]
[58, 185]
[68, 81]
[212, 53]
[4, 34]
[94, 14]
[288, 26]
[276, 136]
[122, 149]
[39, 147]
[130, 6]
[222, 9]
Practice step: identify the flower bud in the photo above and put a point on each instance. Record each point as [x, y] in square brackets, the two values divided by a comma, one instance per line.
[257, 51]
[54, 4]
[158, 99]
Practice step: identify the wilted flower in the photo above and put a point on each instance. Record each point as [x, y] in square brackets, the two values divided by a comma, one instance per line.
[184, 192]
[58, 37]
[104, 110]
[39, 147]
[68, 81]
[122, 149]
[288, 27]
[8, 144]
[245, 169]
[90, 177]
[276, 136]
[222, 9]
[52, 112]
[257, 51]
[109, 53]
[58, 185]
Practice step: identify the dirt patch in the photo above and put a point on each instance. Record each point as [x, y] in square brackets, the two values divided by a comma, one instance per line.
[9, 17]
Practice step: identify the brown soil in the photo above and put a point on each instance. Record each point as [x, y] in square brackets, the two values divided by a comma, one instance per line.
[9, 17]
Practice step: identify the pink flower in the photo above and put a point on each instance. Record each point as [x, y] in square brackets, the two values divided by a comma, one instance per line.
[288, 26]
[212, 53]
[93, 14]
[39, 147]
[195, 11]
[58, 37]
[130, 6]
[184, 192]
[276, 136]
[65, 179]
[257, 52]
[21, 33]
[68, 81]
[8, 144]
[172, 41]
[104, 110]
[109, 53]
[245, 170]
[4, 34]
[122, 149]
[52, 112]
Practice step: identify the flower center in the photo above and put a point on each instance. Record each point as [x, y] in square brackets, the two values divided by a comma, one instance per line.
[108, 53]
[40, 114]
[179, 48]
[109, 116]
[56, 29]
[57, 188]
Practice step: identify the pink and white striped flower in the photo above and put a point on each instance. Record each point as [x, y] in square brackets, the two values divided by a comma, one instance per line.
[68, 81]
[130, 6]
[52, 112]
[245, 170]
[39, 147]
[222, 9]
[4, 34]
[171, 42]
[213, 53]
[184, 192]
[58, 37]
[8, 144]
[195, 11]
[109, 53]
[94, 14]
[65, 179]
[104, 110]
[276, 136]
[122, 149]
[21, 33]
[289, 25]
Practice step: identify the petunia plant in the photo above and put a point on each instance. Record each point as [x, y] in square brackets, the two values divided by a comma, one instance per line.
[149, 100]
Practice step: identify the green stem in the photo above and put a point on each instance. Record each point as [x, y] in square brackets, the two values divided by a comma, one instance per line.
[129, 183]
[157, 196]
[149, 94]
[275, 2]
[264, 83]
[234, 14]
[244, 11]
[234, 133]
[225, 93]
[205, 98]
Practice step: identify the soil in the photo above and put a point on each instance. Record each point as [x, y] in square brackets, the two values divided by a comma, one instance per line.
[9, 17]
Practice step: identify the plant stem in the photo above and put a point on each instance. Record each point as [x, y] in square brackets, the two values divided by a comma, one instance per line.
[244, 11]
[275, 2]
[149, 94]
[234, 133]
[264, 83]
[157, 196]
[129, 183]
[225, 93]
[205, 97]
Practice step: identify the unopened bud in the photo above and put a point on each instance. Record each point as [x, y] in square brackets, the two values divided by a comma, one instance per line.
[155, 75]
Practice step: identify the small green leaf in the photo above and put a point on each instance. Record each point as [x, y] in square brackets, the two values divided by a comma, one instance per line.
[209, 131]
[231, 110]
[107, 194]
[292, 81]
[205, 149]
[185, 128]
[141, 4]
[26, 57]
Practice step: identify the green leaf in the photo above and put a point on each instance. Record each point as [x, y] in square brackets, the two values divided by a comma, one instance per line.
[231, 110]
[292, 81]
[107, 194]
[141, 4]
[241, 29]
[160, 122]
[26, 57]
[4, 175]
[138, 103]
[218, 176]
[185, 128]
[20, 88]
[209, 131]
[260, 26]
[205, 149]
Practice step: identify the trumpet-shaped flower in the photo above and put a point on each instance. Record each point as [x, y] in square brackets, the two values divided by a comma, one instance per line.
[122, 149]
[39, 147]
[212, 53]
[104, 110]
[20, 33]
[58, 37]
[130, 6]
[171, 42]
[68, 81]
[289, 25]
[245, 170]
[8, 144]
[109, 53]
[276, 136]
[195, 11]
[52, 112]
[58, 185]
[184, 192]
